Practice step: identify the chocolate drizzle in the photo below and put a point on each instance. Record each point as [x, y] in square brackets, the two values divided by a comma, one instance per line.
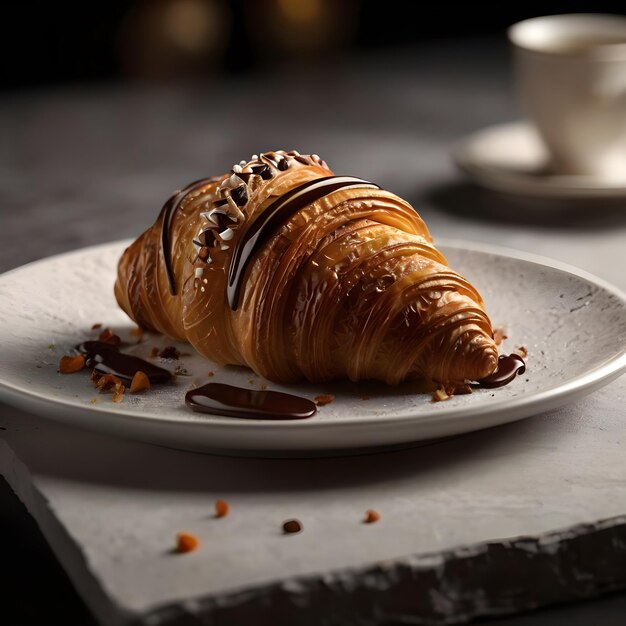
[107, 359]
[509, 366]
[220, 399]
[273, 217]
[167, 215]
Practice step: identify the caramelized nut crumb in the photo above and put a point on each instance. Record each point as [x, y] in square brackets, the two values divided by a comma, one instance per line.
[186, 542]
[371, 516]
[94, 377]
[70, 364]
[462, 390]
[108, 336]
[499, 336]
[221, 508]
[440, 394]
[118, 396]
[292, 526]
[323, 399]
[94, 400]
[140, 382]
[211, 374]
[522, 351]
[106, 382]
[96, 326]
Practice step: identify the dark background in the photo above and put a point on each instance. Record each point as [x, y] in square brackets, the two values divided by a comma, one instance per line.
[45, 42]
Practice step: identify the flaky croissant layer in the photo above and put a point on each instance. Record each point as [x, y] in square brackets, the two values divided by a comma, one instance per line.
[300, 274]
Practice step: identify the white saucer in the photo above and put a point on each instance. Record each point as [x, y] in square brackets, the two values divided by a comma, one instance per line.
[512, 158]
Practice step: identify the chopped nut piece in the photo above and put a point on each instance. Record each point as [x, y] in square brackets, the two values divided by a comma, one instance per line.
[108, 336]
[94, 377]
[118, 396]
[440, 394]
[221, 508]
[71, 364]
[323, 399]
[499, 336]
[96, 326]
[211, 374]
[139, 382]
[522, 351]
[170, 352]
[106, 382]
[94, 400]
[371, 516]
[292, 526]
[186, 542]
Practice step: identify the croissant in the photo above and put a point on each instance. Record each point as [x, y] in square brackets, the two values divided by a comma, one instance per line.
[297, 273]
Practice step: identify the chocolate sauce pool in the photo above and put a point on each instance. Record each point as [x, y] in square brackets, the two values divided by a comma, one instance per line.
[107, 359]
[509, 366]
[220, 399]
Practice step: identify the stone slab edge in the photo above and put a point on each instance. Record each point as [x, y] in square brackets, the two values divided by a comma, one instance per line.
[67, 551]
[487, 579]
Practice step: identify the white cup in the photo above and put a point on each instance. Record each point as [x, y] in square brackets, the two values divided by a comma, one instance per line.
[571, 72]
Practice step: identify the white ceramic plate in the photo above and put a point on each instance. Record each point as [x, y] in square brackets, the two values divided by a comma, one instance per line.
[574, 326]
[512, 158]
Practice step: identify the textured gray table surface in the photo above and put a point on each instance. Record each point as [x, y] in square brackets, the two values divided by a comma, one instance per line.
[83, 166]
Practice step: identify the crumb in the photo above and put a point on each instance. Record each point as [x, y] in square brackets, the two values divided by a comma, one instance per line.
[118, 396]
[94, 377]
[186, 542]
[108, 336]
[323, 399]
[371, 516]
[154, 352]
[50, 346]
[499, 336]
[440, 394]
[71, 364]
[221, 508]
[211, 374]
[262, 387]
[106, 382]
[96, 326]
[292, 526]
[522, 351]
[170, 352]
[251, 381]
[179, 370]
[140, 382]
[94, 400]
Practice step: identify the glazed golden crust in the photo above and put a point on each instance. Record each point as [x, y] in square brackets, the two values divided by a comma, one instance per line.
[348, 286]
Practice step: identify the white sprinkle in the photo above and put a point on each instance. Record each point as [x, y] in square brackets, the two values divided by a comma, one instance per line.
[223, 246]
[227, 235]
[255, 157]
[199, 271]
[202, 289]
[242, 163]
[237, 169]
[205, 281]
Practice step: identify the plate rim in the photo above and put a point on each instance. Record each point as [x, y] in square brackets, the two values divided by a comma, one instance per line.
[510, 181]
[520, 406]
